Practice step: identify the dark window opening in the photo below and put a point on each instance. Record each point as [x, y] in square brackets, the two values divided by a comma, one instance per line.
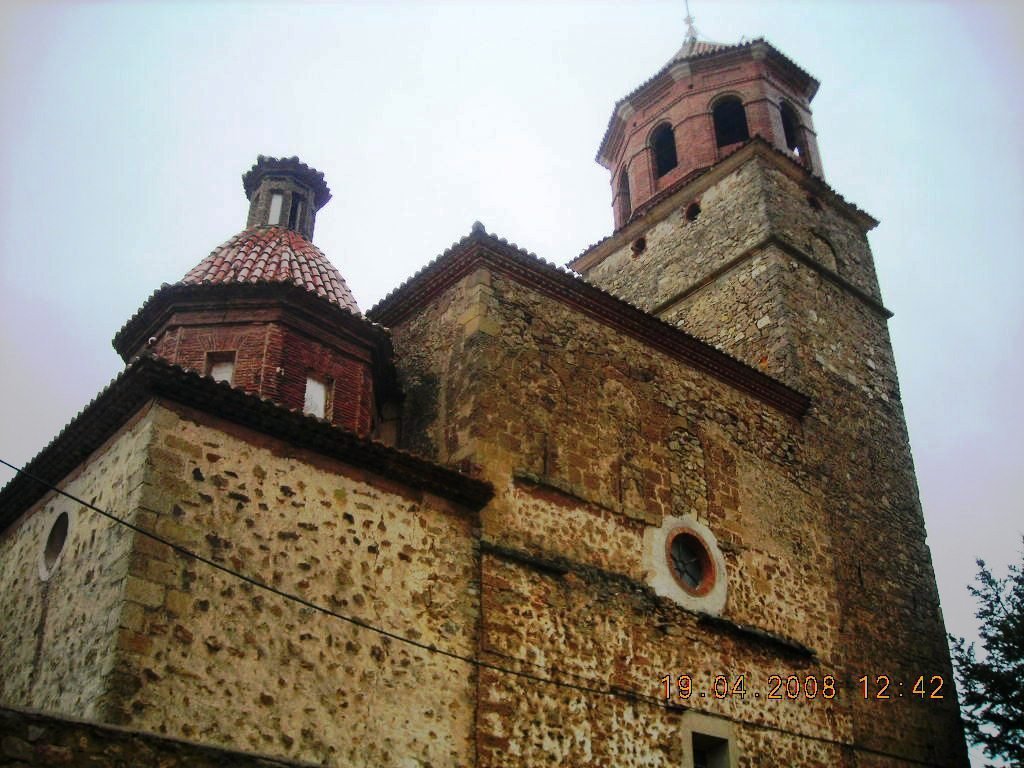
[56, 540]
[690, 562]
[710, 752]
[663, 142]
[295, 214]
[692, 211]
[625, 206]
[730, 122]
[639, 246]
[793, 131]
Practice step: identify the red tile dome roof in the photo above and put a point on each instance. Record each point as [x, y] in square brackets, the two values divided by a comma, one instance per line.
[273, 255]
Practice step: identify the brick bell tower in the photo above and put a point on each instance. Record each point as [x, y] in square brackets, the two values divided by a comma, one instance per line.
[706, 102]
[725, 227]
[266, 312]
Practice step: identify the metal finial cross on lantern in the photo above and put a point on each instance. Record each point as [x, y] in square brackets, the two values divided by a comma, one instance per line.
[691, 30]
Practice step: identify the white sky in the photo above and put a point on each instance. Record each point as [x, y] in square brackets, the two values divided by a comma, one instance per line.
[125, 128]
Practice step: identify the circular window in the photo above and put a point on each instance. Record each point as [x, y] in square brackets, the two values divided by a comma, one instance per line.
[689, 562]
[692, 211]
[684, 563]
[55, 542]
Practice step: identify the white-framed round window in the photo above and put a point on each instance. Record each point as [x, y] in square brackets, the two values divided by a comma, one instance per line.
[684, 563]
[55, 544]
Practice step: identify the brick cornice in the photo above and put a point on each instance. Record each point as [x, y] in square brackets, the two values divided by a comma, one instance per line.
[170, 297]
[149, 378]
[483, 250]
[312, 314]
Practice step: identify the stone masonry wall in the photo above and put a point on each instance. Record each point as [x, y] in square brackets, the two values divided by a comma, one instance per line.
[819, 229]
[775, 312]
[891, 622]
[210, 658]
[745, 312]
[597, 630]
[59, 636]
[592, 440]
[679, 252]
[737, 213]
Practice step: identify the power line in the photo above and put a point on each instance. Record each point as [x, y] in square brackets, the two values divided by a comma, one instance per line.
[430, 647]
[615, 692]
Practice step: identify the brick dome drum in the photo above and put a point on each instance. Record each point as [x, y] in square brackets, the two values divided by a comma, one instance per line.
[273, 255]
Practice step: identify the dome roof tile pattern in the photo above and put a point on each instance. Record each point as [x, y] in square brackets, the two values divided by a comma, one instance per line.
[274, 255]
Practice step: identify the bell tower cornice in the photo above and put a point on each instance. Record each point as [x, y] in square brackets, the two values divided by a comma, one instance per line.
[706, 101]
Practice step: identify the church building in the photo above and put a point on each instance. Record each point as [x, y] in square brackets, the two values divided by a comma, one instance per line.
[657, 508]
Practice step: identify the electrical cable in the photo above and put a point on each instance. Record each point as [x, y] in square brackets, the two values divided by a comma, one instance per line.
[617, 692]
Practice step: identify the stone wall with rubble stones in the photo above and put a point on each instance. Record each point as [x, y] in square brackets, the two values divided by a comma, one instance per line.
[858, 443]
[679, 252]
[591, 439]
[746, 313]
[30, 739]
[737, 213]
[59, 635]
[210, 658]
[599, 629]
[777, 313]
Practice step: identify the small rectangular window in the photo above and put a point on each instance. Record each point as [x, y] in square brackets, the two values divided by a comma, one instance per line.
[220, 366]
[276, 201]
[296, 211]
[710, 752]
[317, 397]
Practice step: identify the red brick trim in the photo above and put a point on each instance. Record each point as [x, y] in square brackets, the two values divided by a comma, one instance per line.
[787, 65]
[307, 311]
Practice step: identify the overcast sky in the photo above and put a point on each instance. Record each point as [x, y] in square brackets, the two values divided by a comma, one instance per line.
[125, 128]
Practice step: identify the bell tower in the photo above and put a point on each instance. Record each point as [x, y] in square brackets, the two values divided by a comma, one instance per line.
[706, 102]
[726, 228]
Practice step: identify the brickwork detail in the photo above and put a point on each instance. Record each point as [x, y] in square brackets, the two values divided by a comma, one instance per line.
[684, 98]
[273, 358]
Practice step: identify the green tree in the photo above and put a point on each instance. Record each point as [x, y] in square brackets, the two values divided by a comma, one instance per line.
[992, 682]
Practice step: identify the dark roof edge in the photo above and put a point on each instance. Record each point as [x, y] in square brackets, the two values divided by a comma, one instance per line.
[152, 309]
[11, 714]
[482, 249]
[288, 166]
[148, 377]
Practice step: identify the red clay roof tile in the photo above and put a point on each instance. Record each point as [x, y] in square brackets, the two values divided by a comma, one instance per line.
[273, 255]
